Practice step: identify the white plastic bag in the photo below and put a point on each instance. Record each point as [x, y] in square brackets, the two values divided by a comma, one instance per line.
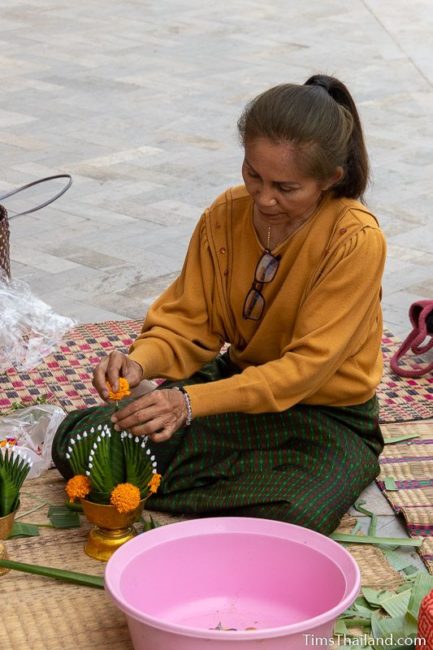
[29, 328]
[31, 430]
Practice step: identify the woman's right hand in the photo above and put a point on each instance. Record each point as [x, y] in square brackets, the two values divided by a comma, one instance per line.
[111, 368]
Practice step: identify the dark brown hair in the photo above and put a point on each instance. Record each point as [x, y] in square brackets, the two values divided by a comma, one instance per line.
[320, 118]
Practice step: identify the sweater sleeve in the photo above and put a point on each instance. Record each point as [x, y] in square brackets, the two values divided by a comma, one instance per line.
[182, 330]
[333, 323]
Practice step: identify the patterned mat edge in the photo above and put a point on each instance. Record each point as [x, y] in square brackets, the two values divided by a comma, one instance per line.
[82, 348]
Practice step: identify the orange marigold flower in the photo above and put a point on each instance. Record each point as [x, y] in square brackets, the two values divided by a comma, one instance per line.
[123, 390]
[154, 483]
[125, 497]
[78, 487]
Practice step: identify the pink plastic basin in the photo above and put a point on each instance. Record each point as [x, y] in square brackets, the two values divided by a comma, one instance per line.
[178, 582]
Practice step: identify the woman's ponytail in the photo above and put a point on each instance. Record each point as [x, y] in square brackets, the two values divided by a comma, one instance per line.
[356, 176]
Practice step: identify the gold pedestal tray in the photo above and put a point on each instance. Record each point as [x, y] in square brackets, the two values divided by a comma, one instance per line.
[112, 528]
[6, 524]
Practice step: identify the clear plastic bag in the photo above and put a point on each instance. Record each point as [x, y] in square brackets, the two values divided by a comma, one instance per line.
[31, 430]
[29, 328]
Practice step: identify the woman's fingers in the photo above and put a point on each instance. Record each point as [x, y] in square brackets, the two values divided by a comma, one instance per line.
[111, 368]
[152, 428]
[162, 435]
[115, 369]
[158, 415]
[139, 417]
[130, 415]
[100, 378]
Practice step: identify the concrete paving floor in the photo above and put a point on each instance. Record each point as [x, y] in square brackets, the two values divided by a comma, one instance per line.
[138, 100]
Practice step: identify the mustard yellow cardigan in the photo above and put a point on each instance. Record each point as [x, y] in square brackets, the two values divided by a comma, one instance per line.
[318, 341]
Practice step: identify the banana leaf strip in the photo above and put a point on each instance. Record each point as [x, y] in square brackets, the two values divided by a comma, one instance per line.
[57, 574]
[369, 539]
[399, 560]
[62, 517]
[375, 597]
[372, 515]
[390, 484]
[407, 436]
[410, 570]
[422, 585]
[21, 529]
[340, 628]
[397, 604]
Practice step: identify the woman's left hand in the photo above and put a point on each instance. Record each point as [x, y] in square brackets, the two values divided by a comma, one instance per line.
[157, 415]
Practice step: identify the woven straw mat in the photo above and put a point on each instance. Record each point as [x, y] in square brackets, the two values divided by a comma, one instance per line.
[410, 464]
[43, 614]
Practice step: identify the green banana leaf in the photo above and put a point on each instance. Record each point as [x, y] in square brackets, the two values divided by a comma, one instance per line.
[13, 471]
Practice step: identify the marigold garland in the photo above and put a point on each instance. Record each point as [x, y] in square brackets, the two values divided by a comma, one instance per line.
[125, 497]
[154, 483]
[78, 487]
[121, 392]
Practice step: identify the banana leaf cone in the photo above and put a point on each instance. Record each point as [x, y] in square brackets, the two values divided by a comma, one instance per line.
[77, 422]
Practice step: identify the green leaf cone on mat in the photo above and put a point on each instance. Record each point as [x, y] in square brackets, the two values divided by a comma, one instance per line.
[14, 467]
[101, 458]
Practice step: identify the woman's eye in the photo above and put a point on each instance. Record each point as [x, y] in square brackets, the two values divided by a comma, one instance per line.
[252, 174]
[286, 190]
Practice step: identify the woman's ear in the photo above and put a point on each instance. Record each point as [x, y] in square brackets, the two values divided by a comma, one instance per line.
[335, 179]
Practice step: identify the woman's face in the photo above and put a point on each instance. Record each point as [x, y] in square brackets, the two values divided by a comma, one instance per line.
[280, 192]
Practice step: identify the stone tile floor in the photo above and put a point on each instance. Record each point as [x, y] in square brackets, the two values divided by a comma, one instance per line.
[139, 101]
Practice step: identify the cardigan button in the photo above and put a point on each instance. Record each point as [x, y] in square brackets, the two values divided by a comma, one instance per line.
[342, 231]
[222, 251]
[226, 272]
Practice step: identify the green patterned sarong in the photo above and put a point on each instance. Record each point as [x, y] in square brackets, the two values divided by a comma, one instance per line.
[306, 465]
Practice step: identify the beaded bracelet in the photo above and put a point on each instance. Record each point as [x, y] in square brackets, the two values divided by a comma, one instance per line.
[187, 399]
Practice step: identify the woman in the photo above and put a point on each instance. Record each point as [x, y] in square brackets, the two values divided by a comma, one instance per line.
[286, 269]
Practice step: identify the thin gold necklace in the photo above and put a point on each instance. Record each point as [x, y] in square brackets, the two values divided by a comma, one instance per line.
[269, 239]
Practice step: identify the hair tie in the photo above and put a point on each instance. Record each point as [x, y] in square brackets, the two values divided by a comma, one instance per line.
[322, 85]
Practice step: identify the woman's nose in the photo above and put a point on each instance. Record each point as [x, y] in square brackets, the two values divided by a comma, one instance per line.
[265, 197]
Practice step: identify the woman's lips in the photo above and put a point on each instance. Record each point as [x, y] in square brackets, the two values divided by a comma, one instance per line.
[270, 214]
